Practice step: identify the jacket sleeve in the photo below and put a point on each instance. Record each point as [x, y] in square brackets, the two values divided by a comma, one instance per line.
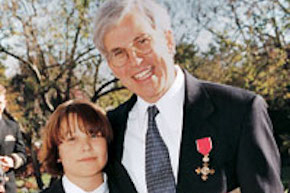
[19, 153]
[258, 161]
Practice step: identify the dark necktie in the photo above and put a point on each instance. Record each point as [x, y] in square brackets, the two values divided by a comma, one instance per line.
[159, 175]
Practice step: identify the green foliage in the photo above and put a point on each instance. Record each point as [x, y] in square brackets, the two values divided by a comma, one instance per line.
[52, 41]
[2, 74]
[114, 99]
[251, 51]
[56, 55]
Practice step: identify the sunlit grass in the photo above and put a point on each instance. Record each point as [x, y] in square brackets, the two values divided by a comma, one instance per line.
[29, 185]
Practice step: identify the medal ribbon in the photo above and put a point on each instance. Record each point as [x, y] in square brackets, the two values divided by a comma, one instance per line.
[204, 145]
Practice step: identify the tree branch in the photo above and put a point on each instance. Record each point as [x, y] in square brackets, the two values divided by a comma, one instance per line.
[97, 92]
[95, 98]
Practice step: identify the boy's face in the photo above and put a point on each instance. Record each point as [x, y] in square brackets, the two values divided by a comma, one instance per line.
[82, 155]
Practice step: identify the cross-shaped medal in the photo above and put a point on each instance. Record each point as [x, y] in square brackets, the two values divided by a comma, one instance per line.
[204, 146]
[204, 171]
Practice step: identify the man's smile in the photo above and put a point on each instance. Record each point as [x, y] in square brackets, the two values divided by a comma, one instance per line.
[144, 74]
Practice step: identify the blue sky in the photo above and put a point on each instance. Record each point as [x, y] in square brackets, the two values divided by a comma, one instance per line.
[180, 10]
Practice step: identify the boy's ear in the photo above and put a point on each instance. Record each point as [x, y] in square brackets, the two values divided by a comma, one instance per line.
[170, 41]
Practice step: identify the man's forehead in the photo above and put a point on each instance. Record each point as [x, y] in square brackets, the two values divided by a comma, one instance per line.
[130, 28]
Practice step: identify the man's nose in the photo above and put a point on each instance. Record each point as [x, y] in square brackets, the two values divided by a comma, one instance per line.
[134, 58]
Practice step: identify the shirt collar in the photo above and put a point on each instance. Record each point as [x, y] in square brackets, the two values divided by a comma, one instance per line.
[172, 99]
[72, 188]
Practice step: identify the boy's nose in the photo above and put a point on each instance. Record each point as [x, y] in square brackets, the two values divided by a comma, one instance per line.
[86, 145]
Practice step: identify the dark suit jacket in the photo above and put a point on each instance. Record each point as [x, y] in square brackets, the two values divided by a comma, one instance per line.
[11, 142]
[56, 187]
[244, 152]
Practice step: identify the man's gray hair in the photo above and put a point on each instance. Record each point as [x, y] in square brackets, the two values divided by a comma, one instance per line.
[113, 11]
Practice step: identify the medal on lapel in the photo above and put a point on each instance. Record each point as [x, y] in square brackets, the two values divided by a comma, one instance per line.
[204, 147]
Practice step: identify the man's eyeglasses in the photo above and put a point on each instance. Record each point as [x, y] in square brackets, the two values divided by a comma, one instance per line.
[142, 45]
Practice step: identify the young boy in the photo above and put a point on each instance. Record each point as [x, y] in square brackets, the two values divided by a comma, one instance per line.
[75, 145]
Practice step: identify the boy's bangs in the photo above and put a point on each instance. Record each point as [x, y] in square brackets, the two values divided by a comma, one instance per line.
[86, 121]
[90, 123]
[68, 125]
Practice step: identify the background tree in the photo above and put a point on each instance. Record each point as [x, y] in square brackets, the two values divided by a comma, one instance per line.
[249, 49]
[52, 44]
[243, 43]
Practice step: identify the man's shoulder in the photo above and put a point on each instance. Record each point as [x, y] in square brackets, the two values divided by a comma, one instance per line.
[227, 93]
[217, 91]
[230, 101]
[10, 123]
[123, 108]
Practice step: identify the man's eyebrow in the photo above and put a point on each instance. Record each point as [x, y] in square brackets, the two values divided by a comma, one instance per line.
[138, 37]
[116, 49]
[134, 40]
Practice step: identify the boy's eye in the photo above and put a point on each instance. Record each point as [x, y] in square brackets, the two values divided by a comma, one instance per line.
[98, 134]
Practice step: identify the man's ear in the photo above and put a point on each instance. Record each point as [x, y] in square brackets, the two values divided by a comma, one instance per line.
[170, 41]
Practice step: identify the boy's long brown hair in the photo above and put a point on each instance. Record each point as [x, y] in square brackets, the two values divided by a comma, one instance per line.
[87, 117]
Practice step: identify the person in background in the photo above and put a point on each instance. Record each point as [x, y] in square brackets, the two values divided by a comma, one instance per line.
[75, 142]
[177, 133]
[12, 147]
[3, 180]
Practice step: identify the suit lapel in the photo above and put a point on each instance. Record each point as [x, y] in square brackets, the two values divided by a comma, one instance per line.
[120, 177]
[59, 187]
[119, 134]
[197, 109]
[56, 187]
[119, 180]
[2, 133]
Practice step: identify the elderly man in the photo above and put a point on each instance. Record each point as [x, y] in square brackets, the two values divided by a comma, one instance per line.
[12, 147]
[178, 133]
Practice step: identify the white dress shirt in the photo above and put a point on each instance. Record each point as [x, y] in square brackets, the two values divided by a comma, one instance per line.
[169, 123]
[70, 187]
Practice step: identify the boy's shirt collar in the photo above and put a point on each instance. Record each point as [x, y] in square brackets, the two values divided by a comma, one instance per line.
[73, 188]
